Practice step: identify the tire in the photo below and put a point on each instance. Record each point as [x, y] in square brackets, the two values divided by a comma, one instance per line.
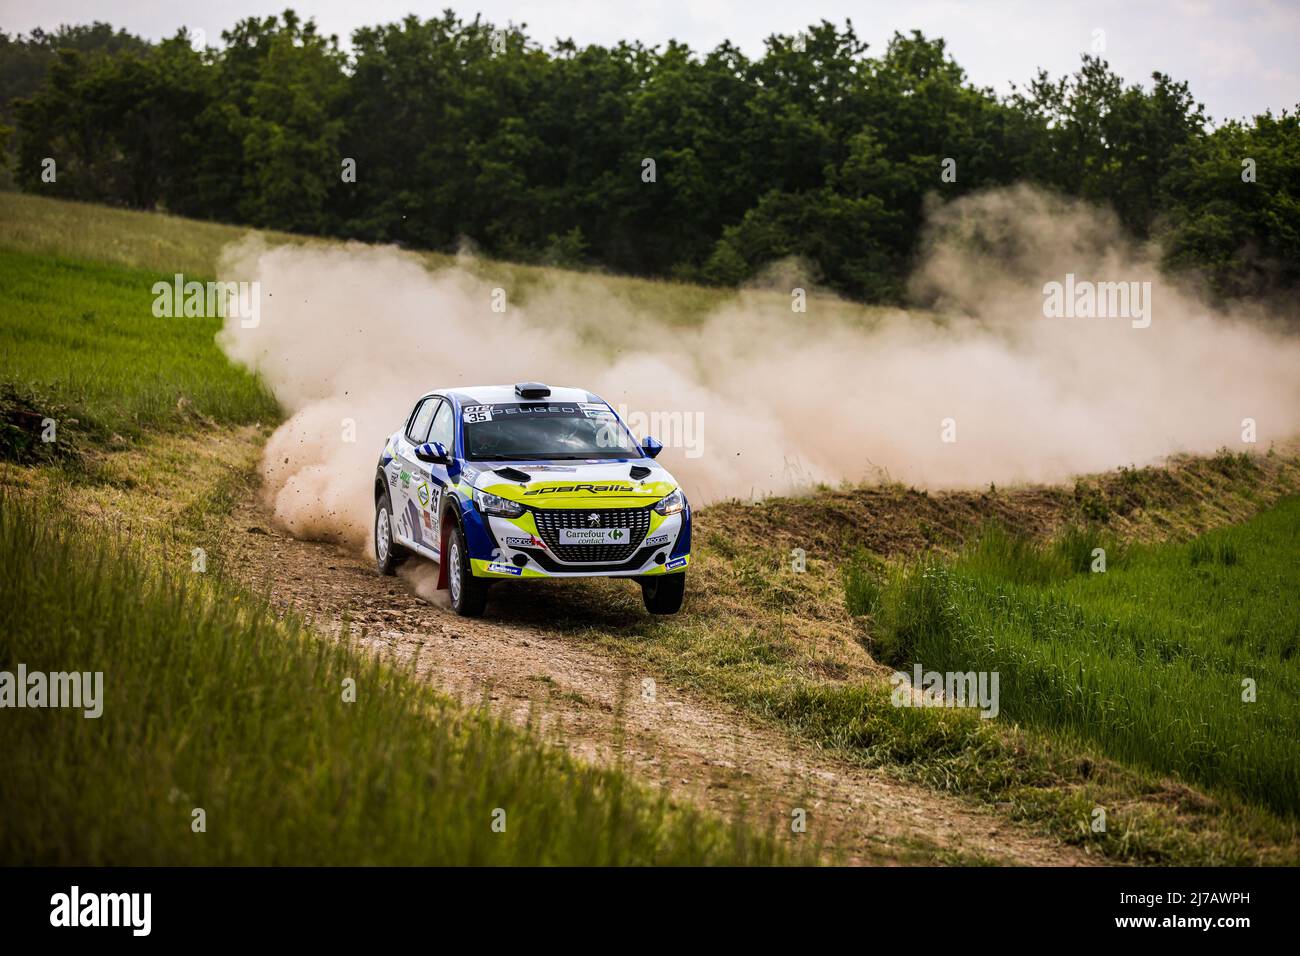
[663, 593]
[468, 593]
[389, 555]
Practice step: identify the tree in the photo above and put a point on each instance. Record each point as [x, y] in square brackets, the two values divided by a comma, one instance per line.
[1234, 208]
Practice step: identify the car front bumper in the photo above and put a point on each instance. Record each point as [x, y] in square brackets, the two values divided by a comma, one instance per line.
[530, 547]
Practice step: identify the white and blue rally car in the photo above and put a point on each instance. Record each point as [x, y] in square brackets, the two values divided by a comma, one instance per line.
[502, 482]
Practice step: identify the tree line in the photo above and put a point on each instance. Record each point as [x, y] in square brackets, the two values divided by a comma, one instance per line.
[655, 161]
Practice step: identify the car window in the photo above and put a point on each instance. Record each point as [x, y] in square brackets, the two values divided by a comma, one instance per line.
[444, 426]
[535, 431]
[420, 424]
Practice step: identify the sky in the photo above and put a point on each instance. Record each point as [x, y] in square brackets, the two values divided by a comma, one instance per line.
[1238, 55]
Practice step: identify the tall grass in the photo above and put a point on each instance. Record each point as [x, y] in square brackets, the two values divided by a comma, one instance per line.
[1149, 661]
[83, 337]
[210, 701]
[113, 236]
[862, 583]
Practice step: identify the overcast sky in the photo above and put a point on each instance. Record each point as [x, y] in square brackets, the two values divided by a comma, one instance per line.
[1240, 56]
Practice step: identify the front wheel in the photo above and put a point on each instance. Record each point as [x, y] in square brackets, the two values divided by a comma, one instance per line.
[663, 593]
[468, 593]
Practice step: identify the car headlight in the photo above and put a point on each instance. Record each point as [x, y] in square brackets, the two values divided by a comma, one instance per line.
[671, 504]
[491, 504]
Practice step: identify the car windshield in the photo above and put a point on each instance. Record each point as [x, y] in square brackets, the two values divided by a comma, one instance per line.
[540, 430]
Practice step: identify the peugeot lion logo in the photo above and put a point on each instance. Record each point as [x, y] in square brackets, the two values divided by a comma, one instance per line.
[593, 519]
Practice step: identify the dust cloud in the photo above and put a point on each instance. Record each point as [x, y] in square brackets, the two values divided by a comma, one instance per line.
[422, 578]
[757, 398]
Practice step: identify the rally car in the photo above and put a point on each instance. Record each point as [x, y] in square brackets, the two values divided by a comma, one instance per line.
[502, 482]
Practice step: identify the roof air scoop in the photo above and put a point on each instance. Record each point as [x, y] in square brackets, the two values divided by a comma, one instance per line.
[532, 390]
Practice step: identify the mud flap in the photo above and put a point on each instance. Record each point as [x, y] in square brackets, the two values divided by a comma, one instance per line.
[444, 534]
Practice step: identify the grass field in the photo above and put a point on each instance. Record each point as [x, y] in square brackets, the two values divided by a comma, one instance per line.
[1148, 660]
[211, 701]
[82, 337]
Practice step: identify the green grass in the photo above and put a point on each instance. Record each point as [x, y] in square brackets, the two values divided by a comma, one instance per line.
[862, 583]
[1145, 661]
[212, 701]
[45, 226]
[81, 344]
[54, 228]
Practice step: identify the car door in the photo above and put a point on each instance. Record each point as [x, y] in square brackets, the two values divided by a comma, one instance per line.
[411, 473]
[442, 431]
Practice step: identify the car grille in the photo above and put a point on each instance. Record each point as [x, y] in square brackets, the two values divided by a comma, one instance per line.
[551, 520]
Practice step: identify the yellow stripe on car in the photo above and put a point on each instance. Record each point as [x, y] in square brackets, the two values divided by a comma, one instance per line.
[583, 494]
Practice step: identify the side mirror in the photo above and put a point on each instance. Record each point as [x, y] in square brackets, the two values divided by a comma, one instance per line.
[435, 453]
[651, 447]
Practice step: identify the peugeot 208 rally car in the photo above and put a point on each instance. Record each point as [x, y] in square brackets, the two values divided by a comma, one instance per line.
[503, 482]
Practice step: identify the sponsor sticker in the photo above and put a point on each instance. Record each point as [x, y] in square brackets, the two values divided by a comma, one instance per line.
[422, 492]
[574, 489]
[658, 540]
[501, 567]
[593, 535]
[675, 563]
[528, 542]
[406, 478]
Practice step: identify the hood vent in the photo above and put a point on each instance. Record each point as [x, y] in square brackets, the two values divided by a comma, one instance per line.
[513, 474]
[639, 471]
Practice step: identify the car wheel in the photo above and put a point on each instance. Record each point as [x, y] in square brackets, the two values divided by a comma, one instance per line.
[663, 593]
[389, 555]
[468, 593]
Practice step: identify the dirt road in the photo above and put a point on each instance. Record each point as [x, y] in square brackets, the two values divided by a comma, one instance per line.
[603, 708]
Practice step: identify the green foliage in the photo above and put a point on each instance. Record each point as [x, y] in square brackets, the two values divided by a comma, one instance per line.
[1210, 551]
[1101, 140]
[862, 584]
[1145, 661]
[81, 343]
[1243, 236]
[210, 701]
[815, 150]
[24, 60]
[914, 610]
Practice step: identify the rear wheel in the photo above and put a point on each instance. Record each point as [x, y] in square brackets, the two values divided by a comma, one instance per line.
[663, 593]
[468, 593]
[388, 553]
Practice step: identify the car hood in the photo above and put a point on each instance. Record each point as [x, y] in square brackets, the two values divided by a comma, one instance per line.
[573, 484]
